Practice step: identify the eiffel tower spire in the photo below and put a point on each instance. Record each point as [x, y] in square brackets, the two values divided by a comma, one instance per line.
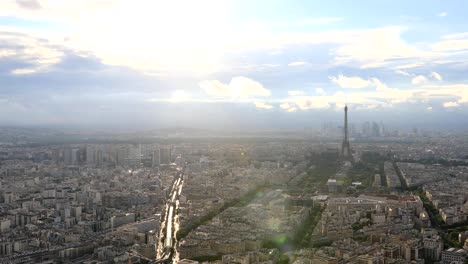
[345, 147]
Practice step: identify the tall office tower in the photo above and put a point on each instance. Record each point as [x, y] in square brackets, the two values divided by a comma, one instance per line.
[56, 156]
[134, 151]
[121, 155]
[99, 157]
[90, 155]
[81, 154]
[382, 129]
[134, 155]
[345, 147]
[67, 156]
[156, 159]
[165, 155]
[366, 128]
[375, 129]
[75, 156]
[147, 149]
[71, 156]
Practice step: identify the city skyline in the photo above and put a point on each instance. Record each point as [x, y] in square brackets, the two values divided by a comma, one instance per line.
[157, 64]
[233, 132]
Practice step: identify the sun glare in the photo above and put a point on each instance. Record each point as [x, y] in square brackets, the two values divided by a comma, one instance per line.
[179, 96]
[183, 36]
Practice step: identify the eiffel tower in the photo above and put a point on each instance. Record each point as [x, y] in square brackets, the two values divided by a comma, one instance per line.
[345, 147]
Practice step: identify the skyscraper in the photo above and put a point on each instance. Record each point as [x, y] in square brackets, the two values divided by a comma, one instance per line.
[121, 155]
[345, 147]
[71, 156]
[165, 155]
[134, 155]
[156, 160]
[99, 157]
[67, 156]
[90, 155]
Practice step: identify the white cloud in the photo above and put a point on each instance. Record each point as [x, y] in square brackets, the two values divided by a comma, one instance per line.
[23, 71]
[29, 4]
[380, 86]
[263, 105]
[451, 45]
[338, 99]
[357, 82]
[320, 91]
[7, 53]
[128, 43]
[402, 73]
[372, 106]
[418, 80]
[311, 102]
[297, 63]
[450, 104]
[123, 46]
[436, 76]
[127, 25]
[244, 87]
[39, 53]
[142, 35]
[375, 48]
[238, 88]
[296, 93]
[216, 88]
[350, 82]
[285, 106]
[460, 91]
[382, 96]
[127, 40]
[305, 103]
[288, 107]
[408, 66]
[462, 35]
[340, 106]
[442, 14]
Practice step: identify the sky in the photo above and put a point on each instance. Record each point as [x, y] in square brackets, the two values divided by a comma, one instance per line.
[233, 64]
